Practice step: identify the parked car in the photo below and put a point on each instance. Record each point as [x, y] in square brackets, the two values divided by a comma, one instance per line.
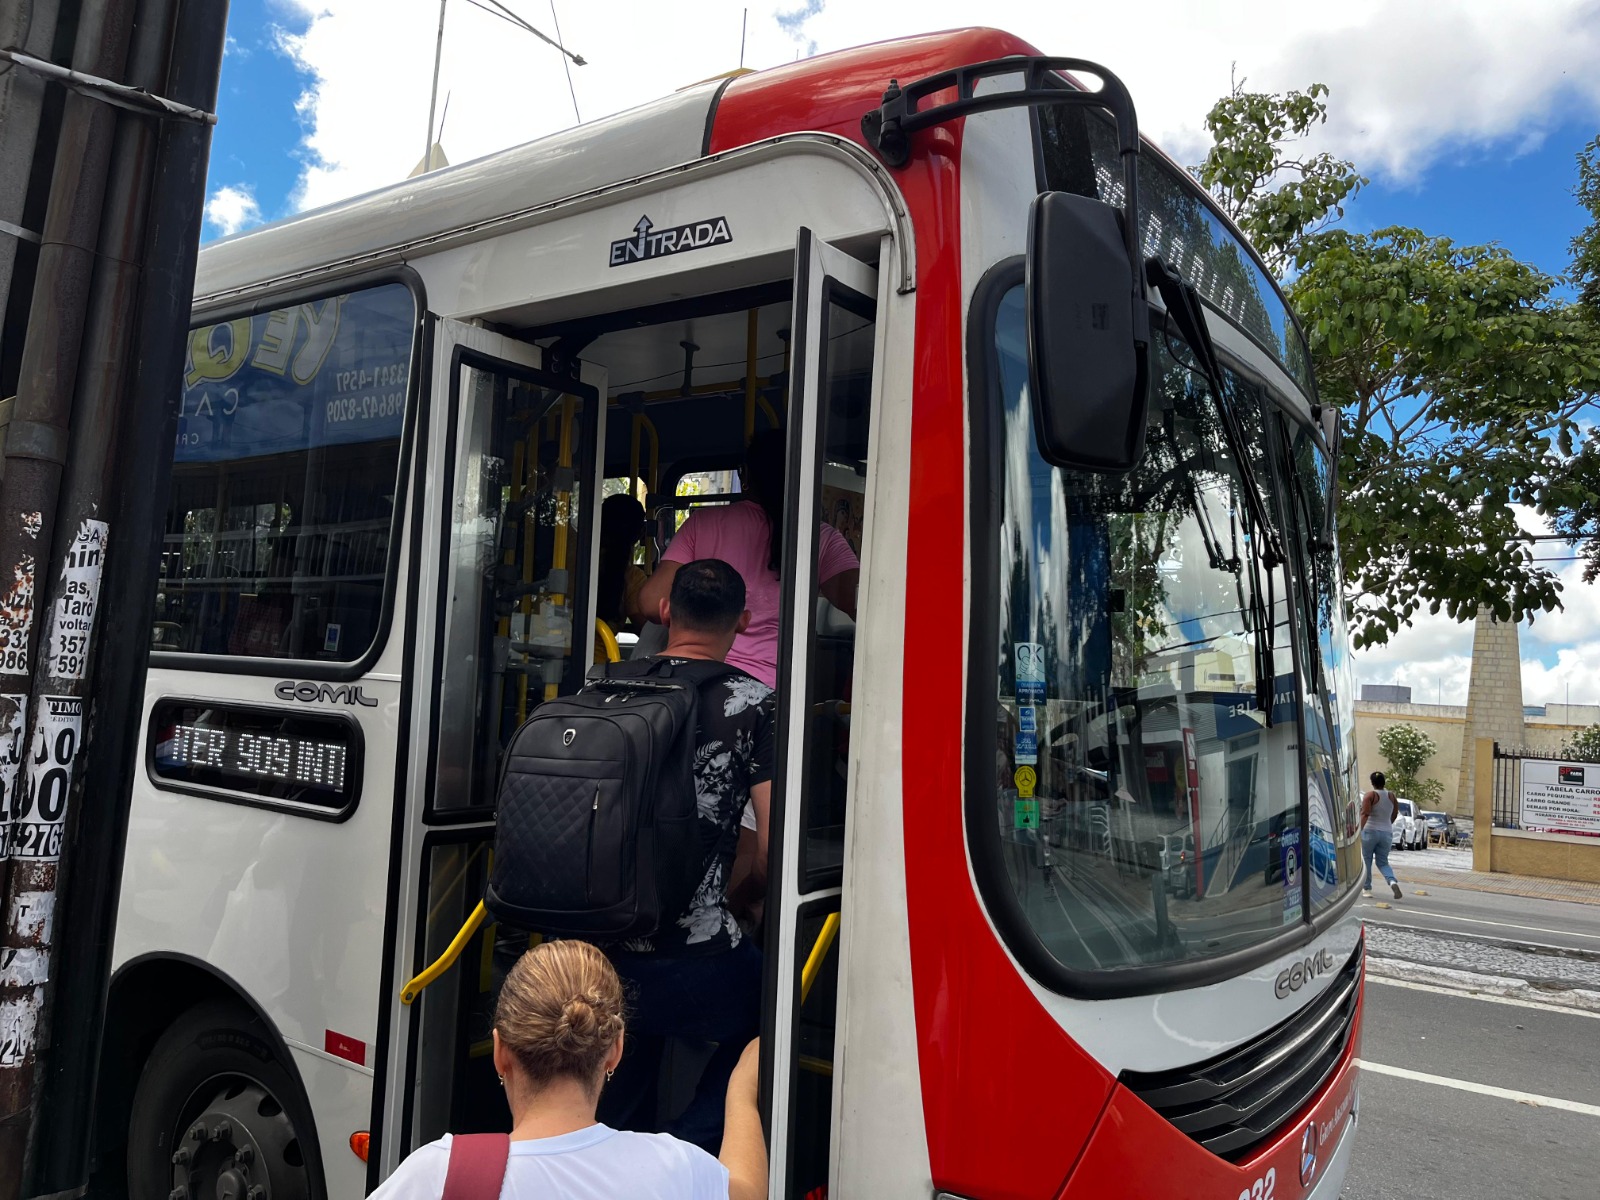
[1409, 831]
[1445, 824]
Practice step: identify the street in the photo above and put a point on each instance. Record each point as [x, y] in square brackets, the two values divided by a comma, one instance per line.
[1470, 1095]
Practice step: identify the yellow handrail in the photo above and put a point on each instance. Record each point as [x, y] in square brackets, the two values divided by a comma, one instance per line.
[819, 951]
[445, 961]
[608, 640]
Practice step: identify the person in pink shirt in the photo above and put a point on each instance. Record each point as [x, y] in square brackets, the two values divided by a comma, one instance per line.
[747, 535]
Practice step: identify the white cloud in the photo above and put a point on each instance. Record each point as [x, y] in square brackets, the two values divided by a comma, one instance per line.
[1560, 650]
[1412, 79]
[232, 207]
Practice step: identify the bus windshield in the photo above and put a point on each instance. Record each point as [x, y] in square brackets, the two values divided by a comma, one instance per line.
[1150, 782]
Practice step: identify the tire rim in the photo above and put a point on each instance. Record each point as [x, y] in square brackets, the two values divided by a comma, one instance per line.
[241, 1145]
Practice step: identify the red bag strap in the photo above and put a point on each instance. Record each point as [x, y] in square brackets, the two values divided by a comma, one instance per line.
[477, 1166]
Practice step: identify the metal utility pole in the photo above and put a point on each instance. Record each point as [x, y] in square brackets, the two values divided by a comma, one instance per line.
[31, 25]
[36, 449]
[100, 384]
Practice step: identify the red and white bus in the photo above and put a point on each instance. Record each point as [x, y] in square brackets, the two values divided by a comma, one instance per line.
[1074, 788]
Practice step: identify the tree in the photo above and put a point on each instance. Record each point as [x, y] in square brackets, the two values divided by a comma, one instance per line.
[1575, 500]
[1460, 375]
[1408, 750]
[1586, 246]
[1583, 745]
[1276, 200]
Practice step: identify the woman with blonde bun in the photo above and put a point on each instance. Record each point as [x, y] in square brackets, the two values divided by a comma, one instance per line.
[557, 1039]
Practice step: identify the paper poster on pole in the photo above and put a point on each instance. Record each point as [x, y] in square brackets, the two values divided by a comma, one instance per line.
[53, 755]
[13, 725]
[72, 620]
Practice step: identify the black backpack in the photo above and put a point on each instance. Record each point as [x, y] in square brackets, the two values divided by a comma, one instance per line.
[596, 831]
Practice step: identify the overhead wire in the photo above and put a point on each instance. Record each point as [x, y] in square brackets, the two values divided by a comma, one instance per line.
[566, 66]
[500, 10]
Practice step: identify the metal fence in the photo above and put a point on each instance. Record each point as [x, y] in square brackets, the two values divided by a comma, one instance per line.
[1508, 780]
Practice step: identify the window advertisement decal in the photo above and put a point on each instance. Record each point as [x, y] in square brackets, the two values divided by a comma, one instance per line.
[324, 373]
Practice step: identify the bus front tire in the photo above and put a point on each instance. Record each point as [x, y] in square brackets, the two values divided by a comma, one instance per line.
[216, 1111]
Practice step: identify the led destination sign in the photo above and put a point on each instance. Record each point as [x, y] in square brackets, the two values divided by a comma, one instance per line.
[256, 753]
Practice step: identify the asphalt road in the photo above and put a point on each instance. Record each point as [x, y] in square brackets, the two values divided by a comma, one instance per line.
[1438, 1139]
[1487, 916]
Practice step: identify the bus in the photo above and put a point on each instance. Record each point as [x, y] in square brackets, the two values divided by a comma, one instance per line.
[1064, 854]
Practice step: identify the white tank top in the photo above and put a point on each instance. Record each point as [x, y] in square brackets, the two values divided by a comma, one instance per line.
[1379, 819]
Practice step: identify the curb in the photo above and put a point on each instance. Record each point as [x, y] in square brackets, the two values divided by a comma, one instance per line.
[1504, 885]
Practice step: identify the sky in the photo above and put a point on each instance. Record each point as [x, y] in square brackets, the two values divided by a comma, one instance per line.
[1466, 122]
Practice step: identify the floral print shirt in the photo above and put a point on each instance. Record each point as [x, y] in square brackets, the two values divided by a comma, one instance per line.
[733, 753]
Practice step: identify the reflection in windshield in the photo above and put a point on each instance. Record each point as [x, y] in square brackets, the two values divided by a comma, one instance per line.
[1329, 684]
[1148, 766]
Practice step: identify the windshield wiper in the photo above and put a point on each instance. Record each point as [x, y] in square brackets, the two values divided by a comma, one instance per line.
[1183, 306]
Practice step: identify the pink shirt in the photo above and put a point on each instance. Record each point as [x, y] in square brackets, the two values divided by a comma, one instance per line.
[737, 534]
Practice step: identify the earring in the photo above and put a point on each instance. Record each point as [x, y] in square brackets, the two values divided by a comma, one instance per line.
[609, 1074]
[502, 1080]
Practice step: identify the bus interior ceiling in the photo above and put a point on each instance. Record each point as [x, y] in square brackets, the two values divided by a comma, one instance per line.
[686, 393]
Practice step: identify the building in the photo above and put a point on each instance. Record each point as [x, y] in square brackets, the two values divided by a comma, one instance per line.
[1545, 727]
[1494, 709]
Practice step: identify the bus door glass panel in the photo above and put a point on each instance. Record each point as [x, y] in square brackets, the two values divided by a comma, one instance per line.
[829, 406]
[514, 628]
[514, 592]
[1147, 753]
[284, 476]
[454, 1089]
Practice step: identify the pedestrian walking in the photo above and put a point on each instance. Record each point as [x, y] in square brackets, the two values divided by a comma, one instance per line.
[1379, 807]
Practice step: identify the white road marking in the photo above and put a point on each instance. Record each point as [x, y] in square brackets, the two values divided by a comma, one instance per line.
[1483, 1089]
[1502, 924]
[1490, 997]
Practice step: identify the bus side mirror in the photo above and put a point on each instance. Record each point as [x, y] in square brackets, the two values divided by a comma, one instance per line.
[1087, 335]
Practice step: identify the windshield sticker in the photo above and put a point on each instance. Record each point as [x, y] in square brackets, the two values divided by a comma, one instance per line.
[1027, 744]
[1291, 876]
[649, 242]
[1030, 671]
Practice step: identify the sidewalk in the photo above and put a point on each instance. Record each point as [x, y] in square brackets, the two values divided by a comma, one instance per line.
[1443, 867]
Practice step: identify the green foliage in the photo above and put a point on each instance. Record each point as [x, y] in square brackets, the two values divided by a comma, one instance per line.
[1408, 750]
[1277, 200]
[1584, 746]
[1574, 500]
[1460, 377]
[1586, 246]
[1459, 372]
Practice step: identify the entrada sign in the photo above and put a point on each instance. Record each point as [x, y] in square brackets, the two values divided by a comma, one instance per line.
[649, 242]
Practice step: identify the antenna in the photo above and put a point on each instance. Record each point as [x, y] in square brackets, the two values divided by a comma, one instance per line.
[744, 24]
[433, 96]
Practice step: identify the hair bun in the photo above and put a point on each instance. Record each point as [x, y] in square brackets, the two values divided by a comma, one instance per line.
[578, 1025]
[560, 1011]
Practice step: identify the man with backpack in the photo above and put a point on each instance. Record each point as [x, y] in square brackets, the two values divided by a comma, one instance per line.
[698, 976]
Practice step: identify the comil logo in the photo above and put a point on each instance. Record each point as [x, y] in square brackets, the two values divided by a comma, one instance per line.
[324, 693]
[1302, 973]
